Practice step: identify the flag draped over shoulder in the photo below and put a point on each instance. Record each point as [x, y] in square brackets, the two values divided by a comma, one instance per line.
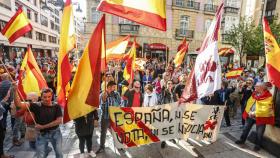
[30, 76]
[234, 73]
[130, 64]
[207, 70]
[272, 53]
[67, 43]
[85, 89]
[17, 26]
[151, 13]
[178, 60]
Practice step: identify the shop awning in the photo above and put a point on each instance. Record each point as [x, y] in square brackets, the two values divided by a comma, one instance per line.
[130, 44]
[158, 46]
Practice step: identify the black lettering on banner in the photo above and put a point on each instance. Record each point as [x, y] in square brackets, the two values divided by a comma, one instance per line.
[177, 114]
[180, 128]
[164, 131]
[207, 135]
[138, 116]
[171, 129]
[123, 138]
[186, 115]
[154, 132]
[193, 127]
[192, 115]
[200, 129]
[156, 118]
[165, 115]
[215, 111]
[117, 119]
[148, 118]
[137, 134]
[128, 118]
[188, 129]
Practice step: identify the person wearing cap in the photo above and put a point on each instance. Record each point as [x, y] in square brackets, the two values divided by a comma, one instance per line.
[259, 110]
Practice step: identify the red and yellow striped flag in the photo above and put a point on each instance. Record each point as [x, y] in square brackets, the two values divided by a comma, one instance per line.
[178, 60]
[84, 98]
[17, 26]
[67, 43]
[115, 50]
[130, 64]
[30, 76]
[225, 51]
[234, 73]
[272, 53]
[151, 13]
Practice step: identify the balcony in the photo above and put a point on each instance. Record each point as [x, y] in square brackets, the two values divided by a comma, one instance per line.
[187, 4]
[180, 34]
[126, 29]
[232, 10]
[210, 8]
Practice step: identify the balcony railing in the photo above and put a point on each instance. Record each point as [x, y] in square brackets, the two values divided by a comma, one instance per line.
[181, 33]
[231, 10]
[129, 29]
[187, 4]
[210, 8]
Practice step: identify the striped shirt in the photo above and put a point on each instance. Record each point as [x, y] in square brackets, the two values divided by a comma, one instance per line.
[113, 99]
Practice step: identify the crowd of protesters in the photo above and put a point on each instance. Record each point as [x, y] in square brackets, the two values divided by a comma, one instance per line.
[159, 83]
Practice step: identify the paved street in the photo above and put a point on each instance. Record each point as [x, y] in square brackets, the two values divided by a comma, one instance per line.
[224, 147]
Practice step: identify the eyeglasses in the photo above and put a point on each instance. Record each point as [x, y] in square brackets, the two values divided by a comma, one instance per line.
[136, 87]
[170, 83]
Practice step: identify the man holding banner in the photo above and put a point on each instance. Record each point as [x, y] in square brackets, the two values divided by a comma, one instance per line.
[107, 99]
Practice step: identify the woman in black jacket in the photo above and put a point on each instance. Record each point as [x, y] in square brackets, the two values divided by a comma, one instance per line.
[168, 95]
[84, 127]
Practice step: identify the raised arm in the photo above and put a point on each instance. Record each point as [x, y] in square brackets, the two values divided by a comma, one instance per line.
[17, 101]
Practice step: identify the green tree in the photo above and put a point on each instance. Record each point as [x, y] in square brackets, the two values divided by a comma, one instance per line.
[239, 36]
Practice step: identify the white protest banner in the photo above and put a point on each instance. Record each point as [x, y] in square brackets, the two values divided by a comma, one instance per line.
[144, 125]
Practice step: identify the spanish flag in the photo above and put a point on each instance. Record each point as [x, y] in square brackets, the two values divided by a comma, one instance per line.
[30, 76]
[178, 60]
[17, 26]
[115, 50]
[151, 13]
[130, 64]
[67, 43]
[225, 51]
[85, 89]
[272, 53]
[234, 73]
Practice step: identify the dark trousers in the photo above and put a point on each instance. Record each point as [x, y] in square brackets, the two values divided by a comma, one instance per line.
[2, 137]
[85, 140]
[105, 124]
[5, 115]
[260, 131]
[226, 116]
[243, 105]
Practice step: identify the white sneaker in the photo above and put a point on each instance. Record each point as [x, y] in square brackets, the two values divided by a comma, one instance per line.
[82, 155]
[92, 154]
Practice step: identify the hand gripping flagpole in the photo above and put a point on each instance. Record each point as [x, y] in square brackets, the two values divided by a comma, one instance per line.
[20, 95]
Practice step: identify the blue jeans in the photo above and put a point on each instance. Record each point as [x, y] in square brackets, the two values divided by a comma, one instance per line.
[55, 138]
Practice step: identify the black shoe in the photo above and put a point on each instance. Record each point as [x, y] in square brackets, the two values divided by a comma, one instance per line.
[163, 145]
[100, 150]
[239, 142]
[257, 148]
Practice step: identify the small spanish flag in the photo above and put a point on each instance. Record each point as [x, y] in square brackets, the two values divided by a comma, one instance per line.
[17, 26]
[234, 73]
[225, 51]
[151, 13]
[130, 64]
[178, 60]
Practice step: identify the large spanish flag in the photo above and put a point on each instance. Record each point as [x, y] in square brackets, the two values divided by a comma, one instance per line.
[234, 73]
[30, 76]
[130, 64]
[178, 60]
[147, 12]
[272, 52]
[17, 26]
[67, 43]
[85, 89]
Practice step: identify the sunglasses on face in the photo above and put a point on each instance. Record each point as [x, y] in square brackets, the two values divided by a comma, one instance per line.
[136, 87]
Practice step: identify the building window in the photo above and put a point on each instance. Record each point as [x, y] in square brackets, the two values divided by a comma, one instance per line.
[232, 3]
[184, 24]
[2, 24]
[56, 20]
[17, 6]
[41, 37]
[125, 21]
[28, 35]
[35, 2]
[28, 12]
[56, 12]
[36, 17]
[207, 24]
[209, 2]
[52, 25]
[179, 2]
[95, 15]
[44, 20]
[52, 39]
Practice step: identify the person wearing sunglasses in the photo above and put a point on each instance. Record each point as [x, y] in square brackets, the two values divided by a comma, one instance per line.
[134, 96]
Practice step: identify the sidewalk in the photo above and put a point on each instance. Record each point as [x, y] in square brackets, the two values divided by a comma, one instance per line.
[224, 147]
